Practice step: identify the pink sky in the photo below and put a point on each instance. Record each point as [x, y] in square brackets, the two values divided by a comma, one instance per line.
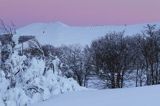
[80, 12]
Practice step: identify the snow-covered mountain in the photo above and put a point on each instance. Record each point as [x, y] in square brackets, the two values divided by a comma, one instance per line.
[58, 33]
[144, 96]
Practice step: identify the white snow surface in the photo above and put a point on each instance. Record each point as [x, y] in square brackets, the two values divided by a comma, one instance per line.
[144, 96]
[58, 33]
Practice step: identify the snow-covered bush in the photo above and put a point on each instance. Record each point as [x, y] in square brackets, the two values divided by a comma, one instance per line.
[31, 84]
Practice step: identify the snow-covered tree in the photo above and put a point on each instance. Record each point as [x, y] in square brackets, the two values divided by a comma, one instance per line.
[22, 78]
[73, 58]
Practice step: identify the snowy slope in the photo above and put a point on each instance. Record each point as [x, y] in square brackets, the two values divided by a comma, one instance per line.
[58, 33]
[145, 96]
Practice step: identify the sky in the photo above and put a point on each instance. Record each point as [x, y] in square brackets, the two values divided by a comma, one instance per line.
[80, 12]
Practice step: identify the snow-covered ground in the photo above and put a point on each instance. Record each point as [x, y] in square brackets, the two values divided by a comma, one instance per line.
[58, 33]
[144, 96]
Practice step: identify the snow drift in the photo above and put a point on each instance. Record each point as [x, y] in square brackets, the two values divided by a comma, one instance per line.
[145, 96]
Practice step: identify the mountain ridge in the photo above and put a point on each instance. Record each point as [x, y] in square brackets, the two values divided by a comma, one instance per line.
[58, 33]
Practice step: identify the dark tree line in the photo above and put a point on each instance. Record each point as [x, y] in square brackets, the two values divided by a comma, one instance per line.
[117, 56]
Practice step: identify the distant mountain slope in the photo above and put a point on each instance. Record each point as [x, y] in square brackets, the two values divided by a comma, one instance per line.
[58, 33]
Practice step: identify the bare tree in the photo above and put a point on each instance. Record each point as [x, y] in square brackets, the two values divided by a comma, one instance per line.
[7, 49]
[111, 56]
[7, 29]
[73, 59]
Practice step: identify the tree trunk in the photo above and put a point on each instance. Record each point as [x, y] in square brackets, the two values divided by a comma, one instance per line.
[137, 78]
[112, 80]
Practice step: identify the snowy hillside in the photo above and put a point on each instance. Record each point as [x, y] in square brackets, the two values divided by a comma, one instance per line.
[145, 96]
[58, 33]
